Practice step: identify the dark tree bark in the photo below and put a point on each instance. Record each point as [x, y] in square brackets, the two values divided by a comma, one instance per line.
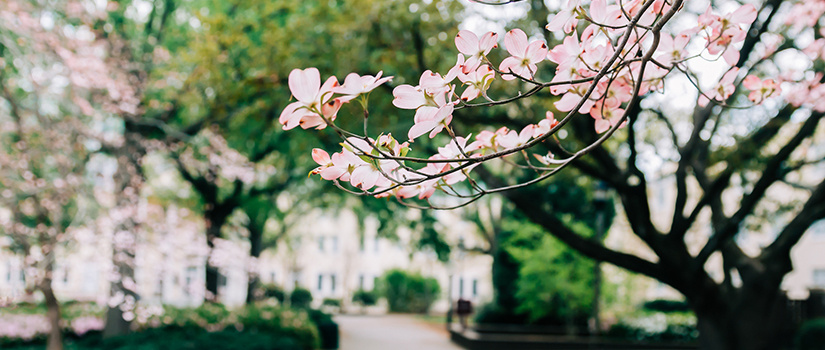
[255, 249]
[746, 310]
[215, 217]
[218, 208]
[129, 179]
[55, 338]
[216, 212]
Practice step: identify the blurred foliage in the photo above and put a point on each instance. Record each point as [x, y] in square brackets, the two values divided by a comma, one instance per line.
[331, 302]
[210, 326]
[656, 326]
[226, 71]
[536, 278]
[408, 292]
[555, 282]
[274, 291]
[300, 298]
[232, 72]
[811, 335]
[429, 237]
[69, 310]
[365, 297]
[666, 305]
[192, 338]
[327, 328]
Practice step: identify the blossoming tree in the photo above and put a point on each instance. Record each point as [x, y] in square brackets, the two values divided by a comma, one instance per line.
[753, 72]
[43, 117]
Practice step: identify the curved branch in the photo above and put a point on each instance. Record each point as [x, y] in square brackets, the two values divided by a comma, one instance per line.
[814, 210]
[590, 248]
[773, 172]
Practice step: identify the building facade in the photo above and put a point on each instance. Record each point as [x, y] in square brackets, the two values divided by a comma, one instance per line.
[333, 257]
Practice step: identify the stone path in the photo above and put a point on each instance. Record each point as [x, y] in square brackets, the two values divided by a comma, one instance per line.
[391, 332]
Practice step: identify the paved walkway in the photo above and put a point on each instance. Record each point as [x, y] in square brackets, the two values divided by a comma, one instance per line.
[391, 332]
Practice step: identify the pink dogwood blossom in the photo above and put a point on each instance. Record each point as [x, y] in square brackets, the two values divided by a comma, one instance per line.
[566, 19]
[355, 85]
[726, 30]
[723, 89]
[477, 81]
[760, 89]
[598, 72]
[432, 119]
[524, 55]
[474, 47]
[314, 100]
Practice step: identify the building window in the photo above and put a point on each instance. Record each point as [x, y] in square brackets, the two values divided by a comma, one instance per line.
[159, 291]
[819, 278]
[361, 282]
[475, 287]
[334, 244]
[191, 272]
[361, 242]
[65, 276]
[332, 282]
[320, 282]
[375, 240]
[321, 243]
[272, 277]
[461, 287]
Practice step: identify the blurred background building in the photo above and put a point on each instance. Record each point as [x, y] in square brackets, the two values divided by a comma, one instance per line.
[328, 256]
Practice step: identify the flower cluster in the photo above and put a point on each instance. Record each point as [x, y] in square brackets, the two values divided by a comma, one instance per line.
[721, 32]
[620, 54]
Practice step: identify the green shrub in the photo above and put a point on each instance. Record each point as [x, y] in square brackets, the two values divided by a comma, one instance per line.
[327, 329]
[657, 326]
[195, 338]
[666, 306]
[408, 292]
[332, 302]
[275, 322]
[212, 326]
[274, 291]
[300, 298]
[69, 310]
[811, 335]
[492, 313]
[364, 297]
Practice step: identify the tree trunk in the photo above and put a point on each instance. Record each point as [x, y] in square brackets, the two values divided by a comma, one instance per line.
[212, 276]
[129, 181]
[115, 323]
[255, 248]
[215, 219]
[123, 258]
[746, 321]
[251, 286]
[55, 340]
[505, 278]
[718, 331]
